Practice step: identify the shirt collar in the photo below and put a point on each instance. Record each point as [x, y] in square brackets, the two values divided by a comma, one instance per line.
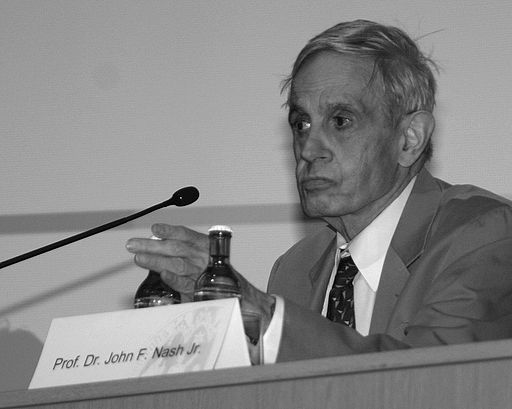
[369, 248]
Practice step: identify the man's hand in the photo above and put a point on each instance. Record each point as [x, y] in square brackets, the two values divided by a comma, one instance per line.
[180, 258]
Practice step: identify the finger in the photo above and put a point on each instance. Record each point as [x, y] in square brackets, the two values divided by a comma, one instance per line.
[181, 233]
[185, 285]
[176, 265]
[169, 247]
[164, 247]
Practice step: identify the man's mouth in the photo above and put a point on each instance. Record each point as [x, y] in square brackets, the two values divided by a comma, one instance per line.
[311, 184]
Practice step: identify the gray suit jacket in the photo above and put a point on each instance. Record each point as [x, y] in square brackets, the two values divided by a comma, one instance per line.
[447, 278]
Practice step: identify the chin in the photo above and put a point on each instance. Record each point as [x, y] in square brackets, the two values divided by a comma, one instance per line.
[319, 206]
[319, 210]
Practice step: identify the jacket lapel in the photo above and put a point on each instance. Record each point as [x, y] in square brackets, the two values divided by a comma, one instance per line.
[320, 274]
[406, 246]
[393, 278]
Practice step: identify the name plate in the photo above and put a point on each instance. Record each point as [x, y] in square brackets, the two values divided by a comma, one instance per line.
[142, 342]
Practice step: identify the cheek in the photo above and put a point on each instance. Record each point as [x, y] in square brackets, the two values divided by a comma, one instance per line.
[296, 150]
[352, 164]
[371, 167]
[381, 169]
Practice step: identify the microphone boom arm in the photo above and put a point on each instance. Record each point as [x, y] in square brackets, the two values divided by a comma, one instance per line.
[178, 199]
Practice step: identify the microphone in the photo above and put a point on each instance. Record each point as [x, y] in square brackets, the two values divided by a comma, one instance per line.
[182, 197]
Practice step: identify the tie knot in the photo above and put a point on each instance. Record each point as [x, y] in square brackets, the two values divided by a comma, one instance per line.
[346, 266]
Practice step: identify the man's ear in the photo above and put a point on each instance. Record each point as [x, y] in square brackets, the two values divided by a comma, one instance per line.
[416, 131]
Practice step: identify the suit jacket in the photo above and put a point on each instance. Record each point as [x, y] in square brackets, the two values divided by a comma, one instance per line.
[447, 278]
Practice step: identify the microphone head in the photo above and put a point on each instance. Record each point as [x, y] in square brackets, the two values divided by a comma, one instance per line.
[184, 196]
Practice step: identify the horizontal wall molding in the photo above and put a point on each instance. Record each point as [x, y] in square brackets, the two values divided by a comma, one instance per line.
[79, 221]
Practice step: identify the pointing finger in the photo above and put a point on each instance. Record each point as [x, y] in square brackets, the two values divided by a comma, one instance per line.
[182, 233]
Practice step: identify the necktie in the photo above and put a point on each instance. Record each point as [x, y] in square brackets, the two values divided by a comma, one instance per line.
[340, 307]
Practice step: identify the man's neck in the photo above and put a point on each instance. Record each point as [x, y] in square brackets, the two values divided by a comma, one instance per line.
[350, 225]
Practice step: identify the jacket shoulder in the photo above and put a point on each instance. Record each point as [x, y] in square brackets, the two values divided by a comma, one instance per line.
[301, 257]
[467, 204]
[310, 244]
[469, 218]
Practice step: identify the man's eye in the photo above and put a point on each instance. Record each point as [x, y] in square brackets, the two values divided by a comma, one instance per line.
[341, 121]
[302, 125]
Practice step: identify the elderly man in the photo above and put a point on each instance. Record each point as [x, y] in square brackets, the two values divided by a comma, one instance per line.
[405, 260]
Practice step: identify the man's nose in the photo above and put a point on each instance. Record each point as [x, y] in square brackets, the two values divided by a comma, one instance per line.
[314, 147]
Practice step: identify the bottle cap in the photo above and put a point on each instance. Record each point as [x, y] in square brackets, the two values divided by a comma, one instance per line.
[221, 228]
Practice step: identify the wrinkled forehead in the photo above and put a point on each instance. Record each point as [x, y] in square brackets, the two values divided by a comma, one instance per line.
[328, 78]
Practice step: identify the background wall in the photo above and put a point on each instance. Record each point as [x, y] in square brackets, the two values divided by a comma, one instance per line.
[108, 107]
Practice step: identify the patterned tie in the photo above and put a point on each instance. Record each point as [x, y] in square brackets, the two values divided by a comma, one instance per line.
[341, 297]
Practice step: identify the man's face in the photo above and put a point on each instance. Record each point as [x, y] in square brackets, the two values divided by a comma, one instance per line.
[345, 147]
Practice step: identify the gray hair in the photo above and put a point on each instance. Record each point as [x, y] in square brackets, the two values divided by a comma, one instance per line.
[404, 71]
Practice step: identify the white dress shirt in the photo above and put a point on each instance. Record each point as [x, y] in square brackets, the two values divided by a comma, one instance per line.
[368, 250]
